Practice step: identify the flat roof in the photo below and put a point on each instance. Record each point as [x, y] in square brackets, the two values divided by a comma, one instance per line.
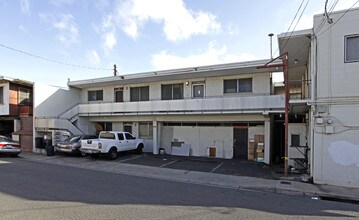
[248, 67]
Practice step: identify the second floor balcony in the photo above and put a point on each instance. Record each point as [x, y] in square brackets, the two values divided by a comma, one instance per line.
[214, 105]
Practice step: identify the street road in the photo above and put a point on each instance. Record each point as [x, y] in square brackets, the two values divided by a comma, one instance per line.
[35, 190]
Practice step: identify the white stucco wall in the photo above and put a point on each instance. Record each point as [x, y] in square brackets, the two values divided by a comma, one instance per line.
[296, 129]
[336, 145]
[51, 101]
[200, 138]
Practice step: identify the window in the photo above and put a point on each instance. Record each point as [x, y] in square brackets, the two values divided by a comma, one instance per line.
[237, 85]
[120, 137]
[295, 140]
[24, 96]
[146, 130]
[352, 48]
[107, 135]
[140, 94]
[1, 94]
[129, 136]
[172, 91]
[96, 95]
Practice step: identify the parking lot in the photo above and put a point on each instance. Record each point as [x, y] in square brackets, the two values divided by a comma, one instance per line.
[213, 165]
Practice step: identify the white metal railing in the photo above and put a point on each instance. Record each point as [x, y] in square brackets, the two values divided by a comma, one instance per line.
[223, 104]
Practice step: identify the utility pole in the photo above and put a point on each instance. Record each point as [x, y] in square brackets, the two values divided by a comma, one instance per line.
[114, 70]
[284, 64]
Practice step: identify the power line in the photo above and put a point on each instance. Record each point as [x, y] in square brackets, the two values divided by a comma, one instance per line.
[338, 18]
[51, 60]
[291, 33]
[295, 16]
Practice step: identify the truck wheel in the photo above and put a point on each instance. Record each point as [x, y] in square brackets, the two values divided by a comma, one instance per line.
[112, 154]
[139, 149]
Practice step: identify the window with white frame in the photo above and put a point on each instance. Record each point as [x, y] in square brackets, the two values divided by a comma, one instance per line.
[146, 130]
[138, 94]
[237, 85]
[352, 48]
[172, 91]
[96, 95]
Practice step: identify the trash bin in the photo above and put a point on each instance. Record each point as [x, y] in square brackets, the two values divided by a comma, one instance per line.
[50, 150]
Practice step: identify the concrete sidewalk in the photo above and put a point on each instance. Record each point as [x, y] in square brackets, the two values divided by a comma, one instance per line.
[287, 187]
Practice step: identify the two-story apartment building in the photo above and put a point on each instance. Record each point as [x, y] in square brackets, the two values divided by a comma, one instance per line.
[225, 111]
[329, 78]
[16, 110]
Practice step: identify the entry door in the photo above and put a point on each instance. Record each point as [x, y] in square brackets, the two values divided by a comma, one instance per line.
[198, 90]
[240, 146]
[118, 94]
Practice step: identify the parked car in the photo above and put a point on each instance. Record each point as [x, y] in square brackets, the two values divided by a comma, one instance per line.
[72, 144]
[9, 147]
[110, 143]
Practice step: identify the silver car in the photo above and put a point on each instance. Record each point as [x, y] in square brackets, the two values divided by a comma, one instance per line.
[9, 147]
[72, 144]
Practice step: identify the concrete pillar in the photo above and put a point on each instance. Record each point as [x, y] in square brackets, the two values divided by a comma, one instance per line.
[267, 140]
[155, 138]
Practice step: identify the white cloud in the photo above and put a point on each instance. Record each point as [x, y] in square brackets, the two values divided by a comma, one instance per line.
[93, 57]
[179, 22]
[25, 7]
[66, 25]
[61, 2]
[213, 55]
[109, 41]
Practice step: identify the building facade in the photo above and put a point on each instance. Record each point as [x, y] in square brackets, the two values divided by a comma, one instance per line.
[223, 111]
[16, 111]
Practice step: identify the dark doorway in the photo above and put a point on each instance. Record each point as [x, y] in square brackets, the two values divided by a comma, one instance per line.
[240, 146]
[278, 142]
[118, 94]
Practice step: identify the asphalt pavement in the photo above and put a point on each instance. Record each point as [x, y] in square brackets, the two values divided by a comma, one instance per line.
[236, 174]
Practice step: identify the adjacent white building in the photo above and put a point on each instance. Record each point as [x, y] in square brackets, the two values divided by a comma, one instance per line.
[325, 60]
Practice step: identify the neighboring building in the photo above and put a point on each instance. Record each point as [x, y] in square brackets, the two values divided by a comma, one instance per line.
[326, 61]
[16, 110]
[224, 111]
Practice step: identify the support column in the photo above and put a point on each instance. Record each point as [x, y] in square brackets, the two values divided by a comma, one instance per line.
[155, 137]
[267, 140]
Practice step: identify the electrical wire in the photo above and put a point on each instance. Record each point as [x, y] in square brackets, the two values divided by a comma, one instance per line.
[291, 33]
[294, 18]
[338, 19]
[51, 60]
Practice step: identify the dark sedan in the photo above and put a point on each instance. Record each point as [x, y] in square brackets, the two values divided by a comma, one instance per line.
[72, 144]
[9, 147]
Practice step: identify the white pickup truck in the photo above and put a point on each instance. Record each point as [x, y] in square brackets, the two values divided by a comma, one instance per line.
[111, 142]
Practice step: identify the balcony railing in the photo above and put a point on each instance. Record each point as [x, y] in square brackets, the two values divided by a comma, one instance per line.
[191, 106]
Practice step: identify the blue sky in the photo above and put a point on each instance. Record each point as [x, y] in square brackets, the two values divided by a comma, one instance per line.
[140, 35]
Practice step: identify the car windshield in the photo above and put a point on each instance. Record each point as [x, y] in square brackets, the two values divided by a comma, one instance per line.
[73, 139]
